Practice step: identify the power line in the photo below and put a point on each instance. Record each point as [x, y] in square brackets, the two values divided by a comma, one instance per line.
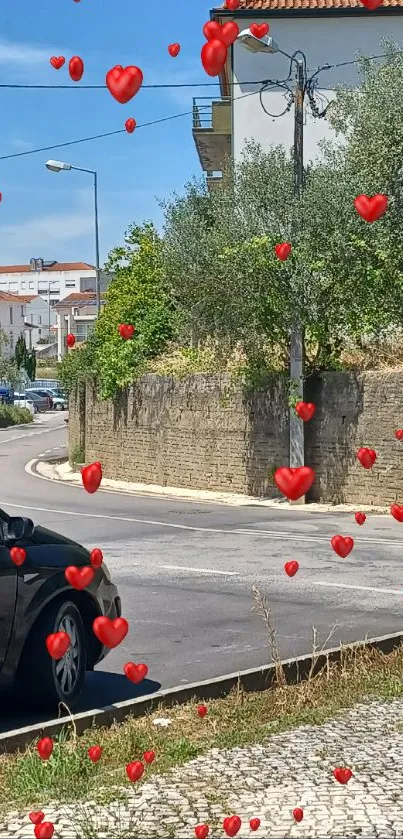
[112, 133]
[263, 86]
[188, 84]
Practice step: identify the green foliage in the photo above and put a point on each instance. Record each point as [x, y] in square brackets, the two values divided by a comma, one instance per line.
[14, 415]
[25, 358]
[20, 351]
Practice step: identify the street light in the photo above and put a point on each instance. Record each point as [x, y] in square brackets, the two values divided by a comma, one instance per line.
[269, 46]
[59, 166]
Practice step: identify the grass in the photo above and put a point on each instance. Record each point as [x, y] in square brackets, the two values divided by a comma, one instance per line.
[13, 415]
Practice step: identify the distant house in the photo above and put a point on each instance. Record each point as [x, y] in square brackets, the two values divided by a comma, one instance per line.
[76, 315]
[12, 322]
[39, 319]
[327, 31]
[51, 280]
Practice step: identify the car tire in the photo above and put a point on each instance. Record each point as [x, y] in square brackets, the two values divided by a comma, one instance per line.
[58, 407]
[47, 681]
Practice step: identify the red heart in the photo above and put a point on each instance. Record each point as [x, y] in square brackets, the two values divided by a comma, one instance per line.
[91, 477]
[232, 825]
[305, 410]
[45, 748]
[18, 555]
[342, 545]
[36, 818]
[214, 56]
[259, 30]
[57, 62]
[135, 770]
[232, 5]
[342, 775]
[174, 50]
[57, 644]
[70, 340]
[44, 830]
[211, 30]
[1, 197]
[149, 757]
[94, 753]
[397, 512]
[79, 578]
[202, 710]
[76, 68]
[360, 518]
[254, 824]
[371, 4]
[294, 482]
[124, 83]
[399, 434]
[130, 125]
[126, 331]
[298, 814]
[96, 557]
[135, 672]
[367, 457]
[202, 831]
[371, 208]
[110, 632]
[291, 567]
[283, 251]
[229, 32]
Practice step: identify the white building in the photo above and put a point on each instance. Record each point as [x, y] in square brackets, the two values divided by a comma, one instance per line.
[76, 315]
[327, 31]
[12, 322]
[39, 319]
[51, 280]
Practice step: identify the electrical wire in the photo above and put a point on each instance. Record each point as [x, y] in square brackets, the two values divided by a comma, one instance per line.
[113, 133]
[189, 84]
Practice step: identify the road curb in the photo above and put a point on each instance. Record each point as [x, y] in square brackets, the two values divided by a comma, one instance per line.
[296, 670]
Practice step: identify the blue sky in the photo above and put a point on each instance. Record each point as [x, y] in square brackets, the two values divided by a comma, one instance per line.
[51, 215]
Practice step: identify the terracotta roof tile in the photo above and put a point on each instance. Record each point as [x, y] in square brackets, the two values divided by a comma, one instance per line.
[269, 5]
[77, 297]
[59, 266]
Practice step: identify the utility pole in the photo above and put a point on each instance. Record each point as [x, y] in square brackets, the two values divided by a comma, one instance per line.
[297, 441]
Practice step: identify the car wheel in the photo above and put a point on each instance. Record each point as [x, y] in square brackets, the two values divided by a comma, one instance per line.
[47, 681]
[58, 407]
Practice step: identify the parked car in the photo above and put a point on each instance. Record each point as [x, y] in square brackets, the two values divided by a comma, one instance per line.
[44, 394]
[26, 403]
[40, 403]
[6, 395]
[59, 400]
[35, 601]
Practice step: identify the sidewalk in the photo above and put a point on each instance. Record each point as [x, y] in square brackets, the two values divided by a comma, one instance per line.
[293, 769]
[63, 472]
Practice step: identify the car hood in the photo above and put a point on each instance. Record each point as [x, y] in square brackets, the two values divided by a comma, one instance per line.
[43, 536]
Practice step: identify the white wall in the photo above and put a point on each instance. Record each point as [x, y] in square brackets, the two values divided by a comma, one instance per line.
[12, 324]
[327, 40]
[62, 283]
[37, 313]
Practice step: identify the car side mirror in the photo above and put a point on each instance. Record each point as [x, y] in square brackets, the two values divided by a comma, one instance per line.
[18, 529]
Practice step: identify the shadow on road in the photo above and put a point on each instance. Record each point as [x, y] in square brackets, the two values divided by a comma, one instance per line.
[101, 689]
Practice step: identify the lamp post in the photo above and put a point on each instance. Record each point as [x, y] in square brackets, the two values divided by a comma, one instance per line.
[268, 45]
[59, 166]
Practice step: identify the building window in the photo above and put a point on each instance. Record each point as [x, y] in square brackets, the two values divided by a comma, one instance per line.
[31, 284]
[23, 284]
[11, 314]
[40, 331]
[70, 284]
[11, 341]
[39, 318]
[22, 311]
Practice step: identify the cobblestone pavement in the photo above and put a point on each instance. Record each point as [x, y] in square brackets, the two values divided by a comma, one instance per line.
[293, 770]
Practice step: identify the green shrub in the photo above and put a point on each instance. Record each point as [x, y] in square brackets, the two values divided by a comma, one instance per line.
[13, 415]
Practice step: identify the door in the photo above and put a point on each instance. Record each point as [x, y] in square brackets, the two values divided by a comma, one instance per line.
[8, 597]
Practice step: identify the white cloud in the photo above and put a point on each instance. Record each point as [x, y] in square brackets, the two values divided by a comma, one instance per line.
[22, 145]
[42, 233]
[27, 55]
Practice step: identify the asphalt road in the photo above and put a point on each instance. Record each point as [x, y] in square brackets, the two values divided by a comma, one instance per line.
[185, 572]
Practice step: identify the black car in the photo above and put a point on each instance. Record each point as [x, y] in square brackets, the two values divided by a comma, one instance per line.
[35, 601]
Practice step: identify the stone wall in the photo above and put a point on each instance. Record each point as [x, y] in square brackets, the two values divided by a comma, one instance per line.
[200, 433]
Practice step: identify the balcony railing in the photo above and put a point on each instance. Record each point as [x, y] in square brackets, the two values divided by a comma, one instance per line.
[203, 111]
